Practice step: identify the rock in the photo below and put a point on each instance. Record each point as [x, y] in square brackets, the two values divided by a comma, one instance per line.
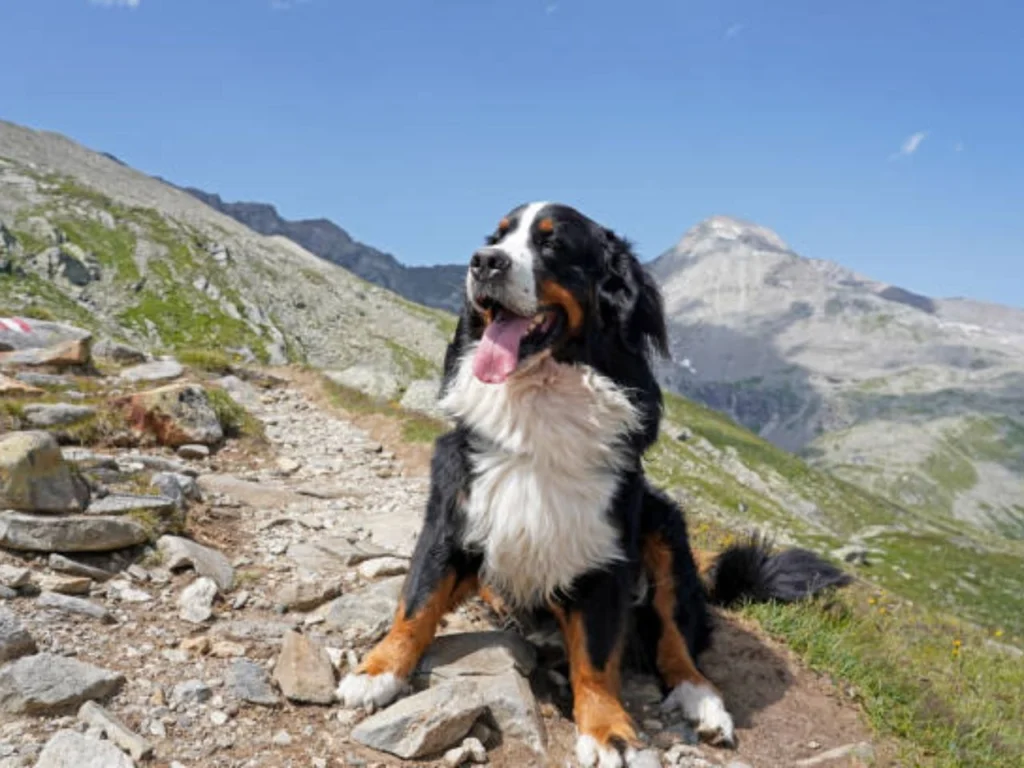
[183, 553]
[34, 476]
[475, 654]
[155, 464]
[852, 553]
[381, 567]
[15, 641]
[67, 565]
[282, 739]
[199, 645]
[15, 578]
[647, 758]
[288, 466]
[225, 649]
[74, 605]
[423, 724]
[250, 682]
[194, 452]
[180, 488]
[56, 414]
[861, 750]
[88, 460]
[304, 671]
[178, 414]
[46, 684]
[305, 595]
[124, 592]
[255, 495]
[196, 601]
[14, 388]
[118, 352]
[242, 392]
[67, 355]
[120, 734]
[331, 554]
[37, 379]
[366, 613]
[68, 749]
[124, 503]
[513, 709]
[28, 333]
[190, 692]
[376, 383]
[158, 370]
[421, 396]
[73, 533]
[470, 751]
[67, 585]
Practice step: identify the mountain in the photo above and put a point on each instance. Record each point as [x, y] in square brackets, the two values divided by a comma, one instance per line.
[85, 238]
[437, 286]
[919, 399]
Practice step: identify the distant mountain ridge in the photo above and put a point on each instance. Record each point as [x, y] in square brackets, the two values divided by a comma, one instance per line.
[435, 286]
[921, 399]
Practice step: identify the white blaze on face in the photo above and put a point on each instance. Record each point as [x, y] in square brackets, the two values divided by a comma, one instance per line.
[519, 292]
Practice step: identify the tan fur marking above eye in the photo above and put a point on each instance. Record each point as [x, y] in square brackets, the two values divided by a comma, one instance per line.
[547, 226]
[504, 224]
[553, 293]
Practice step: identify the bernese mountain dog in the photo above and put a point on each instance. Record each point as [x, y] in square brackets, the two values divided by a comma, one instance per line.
[538, 494]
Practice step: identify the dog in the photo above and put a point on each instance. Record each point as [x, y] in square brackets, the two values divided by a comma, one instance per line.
[538, 495]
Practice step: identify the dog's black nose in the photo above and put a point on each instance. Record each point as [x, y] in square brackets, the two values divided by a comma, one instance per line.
[489, 264]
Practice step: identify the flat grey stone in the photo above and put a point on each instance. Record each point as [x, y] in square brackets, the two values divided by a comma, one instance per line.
[333, 554]
[194, 451]
[514, 709]
[423, 724]
[46, 684]
[68, 749]
[181, 553]
[307, 594]
[366, 613]
[376, 383]
[74, 605]
[182, 489]
[15, 577]
[36, 379]
[118, 352]
[157, 463]
[475, 654]
[242, 392]
[158, 370]
[15, 641]
[63, 564]
[256, 495]
[56, 414]
[242, 630]
[123, 503]
[73, 533]
[191, 692]
[250, 682]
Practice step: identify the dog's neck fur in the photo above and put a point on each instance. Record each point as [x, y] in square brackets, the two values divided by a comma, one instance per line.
[547, 453]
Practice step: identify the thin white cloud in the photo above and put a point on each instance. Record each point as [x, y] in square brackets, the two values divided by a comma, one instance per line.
[733, 31]
[910, 145]
[116, 3]
[958, 146]
[286, 5]
[550, 8]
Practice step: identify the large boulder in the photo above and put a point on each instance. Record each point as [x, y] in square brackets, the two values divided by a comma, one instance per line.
[158, 370]
[34, 476]
[176, 415]
[46, 684]
[65, 355]
[374, 382]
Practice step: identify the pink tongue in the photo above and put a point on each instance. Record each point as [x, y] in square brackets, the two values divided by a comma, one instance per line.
[498, 351]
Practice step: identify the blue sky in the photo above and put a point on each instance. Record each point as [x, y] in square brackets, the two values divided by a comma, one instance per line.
[888, 136]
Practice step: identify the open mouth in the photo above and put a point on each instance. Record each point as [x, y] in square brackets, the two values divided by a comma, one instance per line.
[509, 339]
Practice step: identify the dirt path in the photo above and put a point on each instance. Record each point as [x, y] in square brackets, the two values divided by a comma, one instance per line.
[289, 519]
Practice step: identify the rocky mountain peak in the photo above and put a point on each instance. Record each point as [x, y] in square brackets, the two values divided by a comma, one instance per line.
[717, 231]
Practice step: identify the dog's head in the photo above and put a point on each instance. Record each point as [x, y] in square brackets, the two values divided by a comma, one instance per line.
[551, 282]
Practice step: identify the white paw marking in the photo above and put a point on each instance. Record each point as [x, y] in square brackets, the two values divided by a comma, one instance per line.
[703, 706]
[369, 691]
[590, 754]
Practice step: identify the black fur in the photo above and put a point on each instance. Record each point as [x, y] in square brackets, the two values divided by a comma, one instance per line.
[623, 325]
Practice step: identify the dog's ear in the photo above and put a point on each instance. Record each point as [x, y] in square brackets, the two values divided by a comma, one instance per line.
[629, 298]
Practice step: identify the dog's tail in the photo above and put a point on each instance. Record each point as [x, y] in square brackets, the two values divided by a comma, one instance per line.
[752, 571]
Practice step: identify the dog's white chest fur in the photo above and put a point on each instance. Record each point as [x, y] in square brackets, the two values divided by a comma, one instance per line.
[546, 466]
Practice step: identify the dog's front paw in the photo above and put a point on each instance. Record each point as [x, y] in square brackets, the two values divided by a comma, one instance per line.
[590, 753]
[702, 705]
[369, 691]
